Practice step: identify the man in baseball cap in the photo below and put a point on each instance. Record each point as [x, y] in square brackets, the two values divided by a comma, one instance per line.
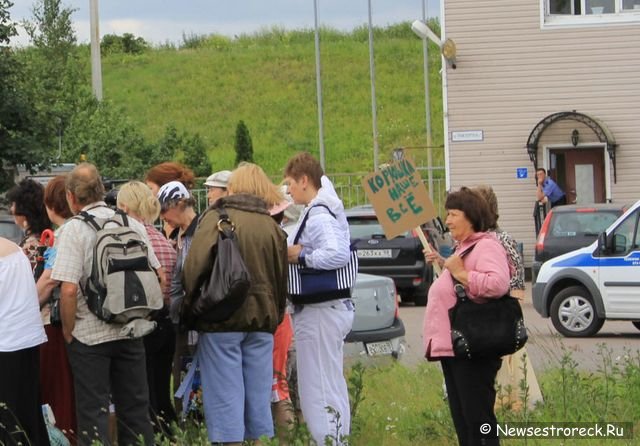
[216, 185]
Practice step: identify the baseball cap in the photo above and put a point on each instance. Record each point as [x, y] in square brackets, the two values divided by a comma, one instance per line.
[218, 179]
[172, 191]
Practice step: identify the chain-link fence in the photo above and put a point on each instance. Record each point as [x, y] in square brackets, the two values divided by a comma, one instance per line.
[349, 188]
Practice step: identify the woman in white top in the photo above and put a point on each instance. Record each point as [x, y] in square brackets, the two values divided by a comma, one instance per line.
[321, 323]
[21, 332]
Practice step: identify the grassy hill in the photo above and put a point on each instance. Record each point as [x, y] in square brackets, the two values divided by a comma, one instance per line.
[267, 79]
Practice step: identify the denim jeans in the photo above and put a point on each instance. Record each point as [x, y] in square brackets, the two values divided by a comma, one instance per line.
[236, 369]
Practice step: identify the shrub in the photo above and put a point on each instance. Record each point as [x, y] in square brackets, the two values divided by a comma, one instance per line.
[244, 145]
[127, 43]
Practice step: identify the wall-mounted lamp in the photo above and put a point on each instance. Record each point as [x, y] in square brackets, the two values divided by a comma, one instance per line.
[424, 32]
[447, 48]
[575, 137]
[449, 52]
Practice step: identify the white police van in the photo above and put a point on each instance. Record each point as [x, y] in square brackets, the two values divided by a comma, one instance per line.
[581, 289]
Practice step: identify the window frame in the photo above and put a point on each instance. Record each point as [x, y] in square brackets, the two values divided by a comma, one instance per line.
[620, 16]
[634, 219]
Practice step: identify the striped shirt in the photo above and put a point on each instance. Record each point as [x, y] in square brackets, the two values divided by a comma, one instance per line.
[164, 252]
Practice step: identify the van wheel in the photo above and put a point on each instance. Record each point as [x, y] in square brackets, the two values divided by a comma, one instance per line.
[573, 313]
[636, 324]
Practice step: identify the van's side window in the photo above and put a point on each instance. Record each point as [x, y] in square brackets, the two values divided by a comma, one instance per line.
[626, 237]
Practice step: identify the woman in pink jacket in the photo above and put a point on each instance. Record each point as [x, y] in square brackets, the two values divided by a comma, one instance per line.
[480, 264]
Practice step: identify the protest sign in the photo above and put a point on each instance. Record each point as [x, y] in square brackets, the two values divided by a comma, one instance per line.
[399, 197]
[401, 200]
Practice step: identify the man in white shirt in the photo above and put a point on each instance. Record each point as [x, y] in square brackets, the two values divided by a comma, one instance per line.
[107, 366]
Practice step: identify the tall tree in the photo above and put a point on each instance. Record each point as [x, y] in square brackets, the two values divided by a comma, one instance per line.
[244, 145]
[107, 138]
[51, 28]
[17, 142]
[190, 150]
[195, 155]
[57, 75]
[168, 146]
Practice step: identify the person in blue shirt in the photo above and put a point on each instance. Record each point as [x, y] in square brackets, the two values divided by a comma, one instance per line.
[548, 190]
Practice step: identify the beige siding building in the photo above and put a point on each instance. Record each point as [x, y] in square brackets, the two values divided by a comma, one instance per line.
[521, 74]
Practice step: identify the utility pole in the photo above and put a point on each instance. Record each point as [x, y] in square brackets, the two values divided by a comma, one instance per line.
[427, 102]
[374, 111]
[319, 86]
[96, 65]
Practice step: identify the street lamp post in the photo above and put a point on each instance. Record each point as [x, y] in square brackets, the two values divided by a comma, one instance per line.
[96, 67]
[427, 102]
[319, 86]
[374, 111]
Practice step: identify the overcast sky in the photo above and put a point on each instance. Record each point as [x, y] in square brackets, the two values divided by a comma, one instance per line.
[160, 20]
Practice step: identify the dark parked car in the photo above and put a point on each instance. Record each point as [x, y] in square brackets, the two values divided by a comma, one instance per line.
[9, 229]
[400, 258]
[571, 227]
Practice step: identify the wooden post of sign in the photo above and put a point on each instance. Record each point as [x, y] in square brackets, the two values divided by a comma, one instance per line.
[436, 267]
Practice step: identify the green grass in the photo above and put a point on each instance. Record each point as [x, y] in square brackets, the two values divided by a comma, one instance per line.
[268, 80]
[399, 406]
[404, 406]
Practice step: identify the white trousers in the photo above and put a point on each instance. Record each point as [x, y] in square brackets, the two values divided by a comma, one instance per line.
[320, 330]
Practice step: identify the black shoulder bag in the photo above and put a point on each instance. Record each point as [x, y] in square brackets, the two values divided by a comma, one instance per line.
[228, 285]
[485, 330]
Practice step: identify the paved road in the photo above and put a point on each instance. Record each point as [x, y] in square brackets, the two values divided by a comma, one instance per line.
[545, 345]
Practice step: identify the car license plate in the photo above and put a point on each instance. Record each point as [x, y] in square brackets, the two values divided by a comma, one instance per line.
[379, 348]
[374, 253]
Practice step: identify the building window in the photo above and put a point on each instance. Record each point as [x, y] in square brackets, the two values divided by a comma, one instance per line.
[566, 7]
[630, 5]
[589, 12]
[600, 7]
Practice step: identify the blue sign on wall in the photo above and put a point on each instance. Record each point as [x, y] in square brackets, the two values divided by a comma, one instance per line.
[521, 173]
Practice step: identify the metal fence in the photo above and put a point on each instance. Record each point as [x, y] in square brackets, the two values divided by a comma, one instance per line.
[349, 188]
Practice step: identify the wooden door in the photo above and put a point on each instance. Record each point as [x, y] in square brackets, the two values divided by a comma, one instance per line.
[583, 172]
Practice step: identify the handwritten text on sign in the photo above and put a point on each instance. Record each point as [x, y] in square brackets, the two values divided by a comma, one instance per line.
[399, 197]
